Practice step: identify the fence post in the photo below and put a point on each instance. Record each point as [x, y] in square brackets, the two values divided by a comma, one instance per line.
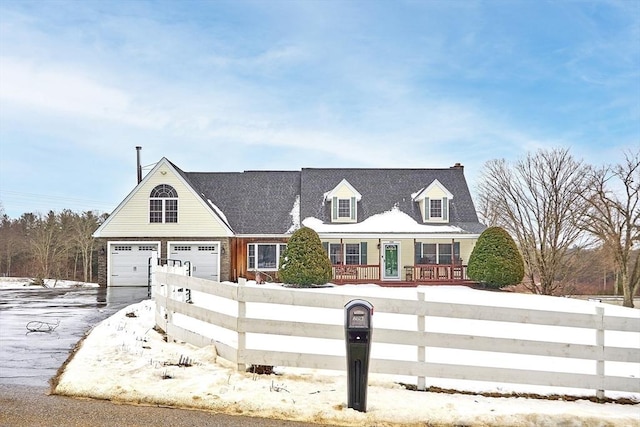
[600, 344]
[242, 336]
[168, 311]
[421, 347]
[155, 292]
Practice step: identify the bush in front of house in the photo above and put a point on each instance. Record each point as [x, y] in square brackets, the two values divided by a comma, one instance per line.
[304, 262]
[495, 260]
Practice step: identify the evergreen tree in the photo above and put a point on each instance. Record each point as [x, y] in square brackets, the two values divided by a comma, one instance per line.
[304, 262]
[495, 260]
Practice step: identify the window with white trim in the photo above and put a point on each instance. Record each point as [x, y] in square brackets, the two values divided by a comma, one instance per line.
[264, 256]
[444, 253]
[429, 253]
[347, 253]
[436, 209]
[344, 208]
[335, 253]
[352, 253]
[163, 204]
[438, 253]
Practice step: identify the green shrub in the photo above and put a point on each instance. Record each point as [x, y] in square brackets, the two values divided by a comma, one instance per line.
[304, 261]
[495, 260]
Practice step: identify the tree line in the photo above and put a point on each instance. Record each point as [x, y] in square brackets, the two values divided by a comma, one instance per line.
[53, 245]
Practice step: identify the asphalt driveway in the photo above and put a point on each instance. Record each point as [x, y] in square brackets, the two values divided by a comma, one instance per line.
[28, 360]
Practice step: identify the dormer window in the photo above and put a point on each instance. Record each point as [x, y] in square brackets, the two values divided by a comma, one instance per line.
[163, 204]
[434, 202]
[344, 208]
[343, 201]
[436, 209]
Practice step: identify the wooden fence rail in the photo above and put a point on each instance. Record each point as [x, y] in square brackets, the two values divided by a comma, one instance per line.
[224, 307]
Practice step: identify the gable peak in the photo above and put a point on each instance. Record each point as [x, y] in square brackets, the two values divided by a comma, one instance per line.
[344, 183]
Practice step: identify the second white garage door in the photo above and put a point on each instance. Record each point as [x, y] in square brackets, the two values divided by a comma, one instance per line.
[203, 256]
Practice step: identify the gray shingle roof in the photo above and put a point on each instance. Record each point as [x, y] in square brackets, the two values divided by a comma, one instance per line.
[260, 202]
[382, 189]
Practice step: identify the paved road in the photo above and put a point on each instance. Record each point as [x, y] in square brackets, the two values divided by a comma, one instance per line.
[22, 406]
[29, 360]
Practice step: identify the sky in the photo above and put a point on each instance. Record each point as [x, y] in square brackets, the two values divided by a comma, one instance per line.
[284, 85]
[125, 359]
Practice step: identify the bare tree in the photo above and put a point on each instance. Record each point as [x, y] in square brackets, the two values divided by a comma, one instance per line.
[82, 235]
[47, 245]
[67, 263]
[488, 211]
[537, 200]
[614, 218]
[12, 247]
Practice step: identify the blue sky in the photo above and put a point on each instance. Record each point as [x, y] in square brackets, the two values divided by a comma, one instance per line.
[238, 85]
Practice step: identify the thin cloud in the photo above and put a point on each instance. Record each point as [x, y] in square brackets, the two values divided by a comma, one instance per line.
[288, 85]
[58, 90]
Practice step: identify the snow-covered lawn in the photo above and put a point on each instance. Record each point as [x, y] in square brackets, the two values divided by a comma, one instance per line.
[25, 282]
[125, 359]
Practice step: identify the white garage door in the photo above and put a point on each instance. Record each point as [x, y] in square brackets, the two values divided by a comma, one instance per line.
[203, 257]
[129, 263]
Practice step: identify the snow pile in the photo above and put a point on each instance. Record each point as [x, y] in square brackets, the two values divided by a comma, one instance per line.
[125, 359]
[392, 221]
[26, 282]
[295, 216]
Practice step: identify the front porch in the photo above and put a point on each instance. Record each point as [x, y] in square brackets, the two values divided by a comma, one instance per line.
[410, 275]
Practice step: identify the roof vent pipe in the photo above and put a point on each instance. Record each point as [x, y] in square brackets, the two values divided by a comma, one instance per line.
[138, 148]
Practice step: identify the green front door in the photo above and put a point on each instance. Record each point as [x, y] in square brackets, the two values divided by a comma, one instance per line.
[390, 257]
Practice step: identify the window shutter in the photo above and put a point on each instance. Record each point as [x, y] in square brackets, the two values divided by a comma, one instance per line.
[334, 205]
[353, 208]
[363, 252]
[325, 246]
[427, 208]
[417, 252]
[456, 252]
[445, 209]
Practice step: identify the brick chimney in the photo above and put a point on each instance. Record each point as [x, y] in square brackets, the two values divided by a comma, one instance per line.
[457, 166]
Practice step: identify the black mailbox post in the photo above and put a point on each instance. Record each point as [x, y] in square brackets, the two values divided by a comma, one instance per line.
[357, 327]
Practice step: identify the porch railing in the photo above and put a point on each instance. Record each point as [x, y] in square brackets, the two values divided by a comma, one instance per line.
[435, 272]
[356, 273]
[418, 273]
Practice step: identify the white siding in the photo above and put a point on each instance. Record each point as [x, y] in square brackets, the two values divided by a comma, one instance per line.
[195, 219]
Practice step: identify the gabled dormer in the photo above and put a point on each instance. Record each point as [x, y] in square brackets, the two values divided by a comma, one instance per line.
[434, 202]
[344, 202]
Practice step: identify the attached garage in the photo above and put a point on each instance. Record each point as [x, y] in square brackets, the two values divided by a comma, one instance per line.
[204, 257]
[128, 262]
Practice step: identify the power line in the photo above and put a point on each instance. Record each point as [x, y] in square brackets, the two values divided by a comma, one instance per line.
[17, 195]
[16, 203]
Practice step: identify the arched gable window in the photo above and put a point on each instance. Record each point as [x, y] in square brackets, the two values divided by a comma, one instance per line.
[163, 204]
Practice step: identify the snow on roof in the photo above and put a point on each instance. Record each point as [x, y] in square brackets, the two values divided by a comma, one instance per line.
[392, 221]
[295, 216]
[219, 212]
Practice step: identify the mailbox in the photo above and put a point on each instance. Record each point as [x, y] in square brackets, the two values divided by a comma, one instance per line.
[358, 328]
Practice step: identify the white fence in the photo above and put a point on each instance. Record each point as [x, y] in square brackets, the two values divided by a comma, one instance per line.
[224, 306]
